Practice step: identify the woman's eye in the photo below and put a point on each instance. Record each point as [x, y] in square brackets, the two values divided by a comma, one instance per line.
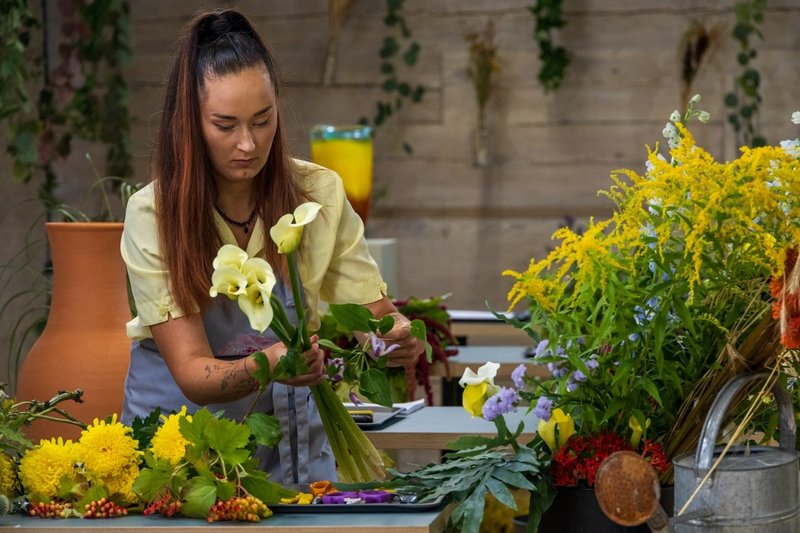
[261, 124]
[221, 127]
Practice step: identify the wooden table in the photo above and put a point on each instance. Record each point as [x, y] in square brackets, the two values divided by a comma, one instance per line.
[405, 522]
[432, 428]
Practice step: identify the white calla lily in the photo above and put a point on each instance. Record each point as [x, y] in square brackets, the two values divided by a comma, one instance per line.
[229, 281]
[286, 233]
[258, 270]
[486, 373]
[254, 303]
[230, 255]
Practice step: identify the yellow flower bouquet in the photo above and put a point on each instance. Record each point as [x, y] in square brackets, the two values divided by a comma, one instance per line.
[641, 319]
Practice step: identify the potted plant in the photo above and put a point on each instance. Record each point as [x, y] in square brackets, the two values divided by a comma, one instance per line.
[641, 319]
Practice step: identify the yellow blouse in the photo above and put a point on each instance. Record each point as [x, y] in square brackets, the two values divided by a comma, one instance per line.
[333, 259]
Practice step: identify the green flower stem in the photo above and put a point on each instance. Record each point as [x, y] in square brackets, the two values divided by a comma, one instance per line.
[357, 457]
[298, 301]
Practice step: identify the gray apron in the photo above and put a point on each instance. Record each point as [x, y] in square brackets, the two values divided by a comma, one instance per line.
[303, 454]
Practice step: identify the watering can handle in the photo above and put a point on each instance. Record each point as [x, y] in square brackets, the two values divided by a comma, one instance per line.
[708, 437]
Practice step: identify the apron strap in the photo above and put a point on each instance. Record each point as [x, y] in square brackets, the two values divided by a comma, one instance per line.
[291, 410]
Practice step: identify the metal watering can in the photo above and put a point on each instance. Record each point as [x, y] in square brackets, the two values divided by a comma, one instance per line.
[754, 489]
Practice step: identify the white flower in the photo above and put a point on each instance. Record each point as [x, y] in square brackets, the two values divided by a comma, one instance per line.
[286, 234]
[694, 100]
[248, 280]
[796, 117]
[486, 373]
[791, 147]
[703, 116]
[675, 116]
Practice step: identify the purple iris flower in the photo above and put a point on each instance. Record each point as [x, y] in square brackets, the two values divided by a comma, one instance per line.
[502, 402]
[379, 348]
[518, 376]
[543, 409]
[337, 363]
[355, 399]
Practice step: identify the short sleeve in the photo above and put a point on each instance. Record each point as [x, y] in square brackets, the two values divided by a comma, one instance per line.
[144, 262]
[335, 262]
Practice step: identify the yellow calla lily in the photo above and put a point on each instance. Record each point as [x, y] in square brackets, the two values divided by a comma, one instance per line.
[474, 397]
[286, 233]
[637, 431]
[255, 305]
[557, 431]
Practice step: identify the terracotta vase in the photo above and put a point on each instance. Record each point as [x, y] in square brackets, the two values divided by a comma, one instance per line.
[83, 345]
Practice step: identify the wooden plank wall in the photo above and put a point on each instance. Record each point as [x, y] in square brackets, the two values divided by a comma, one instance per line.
[459, 226]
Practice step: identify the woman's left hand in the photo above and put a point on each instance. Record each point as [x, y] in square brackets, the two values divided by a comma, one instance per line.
[408, 346]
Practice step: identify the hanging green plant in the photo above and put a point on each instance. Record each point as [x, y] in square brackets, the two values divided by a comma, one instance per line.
[84, 95]
[553, 58]
[396, 47]
[745, 98]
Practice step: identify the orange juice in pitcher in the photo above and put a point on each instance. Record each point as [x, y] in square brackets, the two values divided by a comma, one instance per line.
[347, 150]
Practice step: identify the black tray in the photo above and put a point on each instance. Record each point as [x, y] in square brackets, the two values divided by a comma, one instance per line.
[392, 507]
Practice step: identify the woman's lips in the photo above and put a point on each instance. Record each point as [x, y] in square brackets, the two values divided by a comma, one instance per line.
[243, 163]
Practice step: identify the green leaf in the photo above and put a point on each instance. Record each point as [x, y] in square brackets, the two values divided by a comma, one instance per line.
[265, 428]
[332, 346]
[149, 482]
[515, 479]
[375, 385]
[200, 496]
[501, 492]
[225, 489]
[385, 324]
[470, 442]
[257, 484]
[225, 435]
[353, 317]
[262, 374]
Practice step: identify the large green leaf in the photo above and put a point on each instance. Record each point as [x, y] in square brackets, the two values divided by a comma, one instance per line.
[353, 317]
[226, 436]
[200, 496]
[375, 385]
[265, 428]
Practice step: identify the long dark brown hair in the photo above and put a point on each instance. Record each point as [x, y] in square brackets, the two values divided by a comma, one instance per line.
[215, 44]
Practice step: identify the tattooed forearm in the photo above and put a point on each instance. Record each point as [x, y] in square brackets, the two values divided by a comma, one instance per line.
[231, 380]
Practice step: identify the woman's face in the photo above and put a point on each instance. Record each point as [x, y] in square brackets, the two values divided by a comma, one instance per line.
[239, 114]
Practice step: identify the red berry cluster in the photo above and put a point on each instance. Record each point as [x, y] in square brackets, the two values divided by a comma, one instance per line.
[248, 509]
[103, 508]
[51, 510]
[165, 505]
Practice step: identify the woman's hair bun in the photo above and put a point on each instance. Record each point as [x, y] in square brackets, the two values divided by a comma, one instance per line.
[216, 24]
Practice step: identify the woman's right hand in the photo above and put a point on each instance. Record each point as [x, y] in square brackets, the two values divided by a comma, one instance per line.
[315, 359]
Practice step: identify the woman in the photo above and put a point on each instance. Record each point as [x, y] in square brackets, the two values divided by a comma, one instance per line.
[222, 174]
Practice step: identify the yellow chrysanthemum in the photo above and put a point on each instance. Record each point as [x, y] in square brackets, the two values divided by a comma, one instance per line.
[8, 476]
[168, 443]
[120, 485]
[42, 468]
[106, 449]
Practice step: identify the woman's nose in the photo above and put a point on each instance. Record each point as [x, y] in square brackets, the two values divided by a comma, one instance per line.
[245, 142]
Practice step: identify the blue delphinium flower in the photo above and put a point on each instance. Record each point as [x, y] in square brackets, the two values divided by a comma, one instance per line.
[518, 376]
[502, 402]
[543, 409]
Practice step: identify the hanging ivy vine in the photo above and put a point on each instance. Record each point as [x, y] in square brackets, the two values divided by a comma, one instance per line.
[745, 99]
[553, 59]
[398, 46]
[83, 95]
